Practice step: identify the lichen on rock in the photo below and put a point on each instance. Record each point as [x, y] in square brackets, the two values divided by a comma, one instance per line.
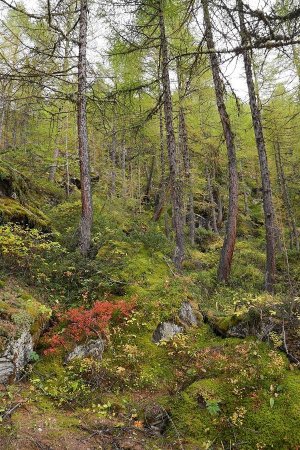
[92, 349]
[22, 320]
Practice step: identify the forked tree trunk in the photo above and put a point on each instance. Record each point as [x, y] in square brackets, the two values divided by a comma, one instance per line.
[84, 163]
[230, 234]
[263, 161]
[176, 191]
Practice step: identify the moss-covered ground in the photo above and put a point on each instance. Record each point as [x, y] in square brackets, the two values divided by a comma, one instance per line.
[218, 393]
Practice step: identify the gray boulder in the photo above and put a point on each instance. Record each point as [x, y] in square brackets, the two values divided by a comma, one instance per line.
[188, 315]
[92, 349]
[166, 331]
[15, 357]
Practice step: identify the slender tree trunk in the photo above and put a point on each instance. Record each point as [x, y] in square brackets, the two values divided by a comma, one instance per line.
[85, 178]
[150, 174]
[162, 144]
[67, 157]
[187, 170]
[176, 191]
[60, 121]
[245, 193]
[263, 161]
[123, 165]
[162, 194]
[2, 117]
[56, 152]
[113, 159]
[184, 150]
[212, 202]
[286, 197]
[230, 234]
[53, 167]
[220, 209]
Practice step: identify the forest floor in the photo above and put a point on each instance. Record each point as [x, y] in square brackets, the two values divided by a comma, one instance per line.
[207, 388]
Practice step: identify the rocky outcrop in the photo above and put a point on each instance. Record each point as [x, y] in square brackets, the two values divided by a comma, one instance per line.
[166, 331]
[188, 316]
[271, 323]
[92, 349]
[22, 320]
[15, 357]
[242, 324]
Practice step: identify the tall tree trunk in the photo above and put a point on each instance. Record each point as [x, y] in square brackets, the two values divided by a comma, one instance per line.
[2, 117]
[123, 165]
[150, 174]
[213, 215]
[67, 157]
[286, 197]
[113, 159]
[230, 234]
[53, 168]
[85, 178]
[184, 150]
[176, 191]
[245, 193]
[161, 196]
[263, 161]
[56, 152]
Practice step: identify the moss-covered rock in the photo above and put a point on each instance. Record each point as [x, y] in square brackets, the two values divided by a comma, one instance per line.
[12, 211]
[22, 320]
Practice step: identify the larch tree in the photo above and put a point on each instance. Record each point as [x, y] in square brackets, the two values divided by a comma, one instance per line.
[230, 235]
[269, 215]
[84, 162]
[175, 182]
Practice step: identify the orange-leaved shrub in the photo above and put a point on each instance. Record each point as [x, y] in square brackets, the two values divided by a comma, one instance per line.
[77, 324]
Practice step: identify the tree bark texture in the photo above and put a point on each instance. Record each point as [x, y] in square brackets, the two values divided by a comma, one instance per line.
[231, 225]
[294, 237]
[176, 190]
[269, 214]
[184, 150]
[84, 163]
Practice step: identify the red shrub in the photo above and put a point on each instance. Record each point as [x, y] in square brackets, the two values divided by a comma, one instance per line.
[80, 323]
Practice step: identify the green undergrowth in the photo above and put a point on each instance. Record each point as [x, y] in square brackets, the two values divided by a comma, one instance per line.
[220, 393]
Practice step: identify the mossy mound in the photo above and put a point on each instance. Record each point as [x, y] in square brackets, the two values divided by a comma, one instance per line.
[12, 211]
[12, 181]
[240, 400]
[20, 311]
